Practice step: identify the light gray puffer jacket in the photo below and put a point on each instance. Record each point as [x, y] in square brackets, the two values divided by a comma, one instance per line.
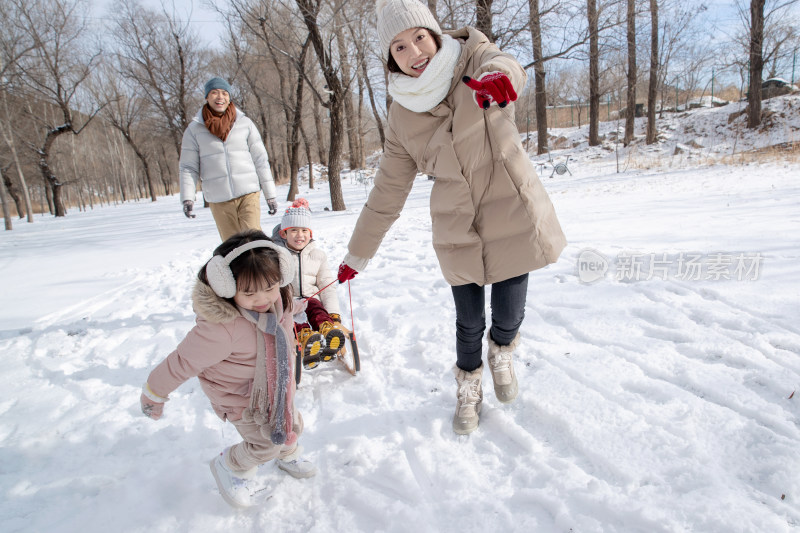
[227, 169]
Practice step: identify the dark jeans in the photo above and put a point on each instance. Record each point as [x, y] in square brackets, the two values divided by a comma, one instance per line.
[508, 311]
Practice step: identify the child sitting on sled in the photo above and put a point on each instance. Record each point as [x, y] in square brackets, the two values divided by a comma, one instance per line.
[323, 335]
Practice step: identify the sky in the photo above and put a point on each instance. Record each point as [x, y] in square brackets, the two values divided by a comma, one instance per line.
[202, 18]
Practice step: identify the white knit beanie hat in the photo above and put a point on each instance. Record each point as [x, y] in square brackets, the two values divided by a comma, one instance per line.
[297, 216]
[395, 16]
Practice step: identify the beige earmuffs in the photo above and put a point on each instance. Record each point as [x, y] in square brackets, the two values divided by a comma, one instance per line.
[219, 274]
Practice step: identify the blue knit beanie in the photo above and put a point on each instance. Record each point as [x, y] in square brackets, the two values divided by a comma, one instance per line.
[217, 83]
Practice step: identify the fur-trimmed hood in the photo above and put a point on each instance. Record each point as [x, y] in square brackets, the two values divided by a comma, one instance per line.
[211, 307]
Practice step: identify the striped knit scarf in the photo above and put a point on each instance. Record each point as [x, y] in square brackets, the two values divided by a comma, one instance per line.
[271, 400]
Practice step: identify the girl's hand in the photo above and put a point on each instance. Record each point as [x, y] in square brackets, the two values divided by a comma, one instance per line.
[152, 403]
[491, 87]
[151, 408]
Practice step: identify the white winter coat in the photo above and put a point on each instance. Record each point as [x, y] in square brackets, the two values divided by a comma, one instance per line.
[227, 169]
[311, 273]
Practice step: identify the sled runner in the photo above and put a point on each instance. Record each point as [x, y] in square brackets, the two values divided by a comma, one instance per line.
[345, 353]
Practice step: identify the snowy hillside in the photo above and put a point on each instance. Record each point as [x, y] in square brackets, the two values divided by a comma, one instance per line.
[656, 397]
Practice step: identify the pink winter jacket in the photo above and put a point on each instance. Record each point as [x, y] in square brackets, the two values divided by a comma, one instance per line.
[221, 351]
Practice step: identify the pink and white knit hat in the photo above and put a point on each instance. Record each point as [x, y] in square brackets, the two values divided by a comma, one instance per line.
[297, 216]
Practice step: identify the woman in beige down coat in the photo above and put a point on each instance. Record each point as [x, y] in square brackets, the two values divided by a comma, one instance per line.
[242, 352]
[492, 219]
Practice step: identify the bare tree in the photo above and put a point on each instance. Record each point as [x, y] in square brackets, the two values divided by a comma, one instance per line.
[310, 10]
[55, 71]
[756, 62]
[3, 201]
[630, 109]
[539, 76]
[125, 112]
[594, 73]
[652, 88]
[483, 18]
[359, 39]
[347, 78]
[160, 53]
[680, 39]
[573, 34]
[14, 45]
[297, 122]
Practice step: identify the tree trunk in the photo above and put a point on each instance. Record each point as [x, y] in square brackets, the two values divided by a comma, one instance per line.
[168, 182]
[360, 132]
[309, 11]
[539, 74]
[432, 8]
[285, 101]
[652, 88]
[294, 141]
[4, 202]
[13, 193]
[630, 108]
[347, 98]
[128, 136]
[594, 74]
[323, 159]
[308, 151]
[13, 147]
[372, 104]
[483, 18]
[756, 63]
[54, 184]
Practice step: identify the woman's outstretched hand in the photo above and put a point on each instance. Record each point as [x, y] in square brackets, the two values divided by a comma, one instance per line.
[346, 273]
[491, 87]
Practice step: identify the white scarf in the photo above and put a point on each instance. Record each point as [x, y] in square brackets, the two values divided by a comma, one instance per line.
[425, 92]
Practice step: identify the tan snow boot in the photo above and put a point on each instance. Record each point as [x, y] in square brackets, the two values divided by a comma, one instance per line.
[469, 397]
[502, 367]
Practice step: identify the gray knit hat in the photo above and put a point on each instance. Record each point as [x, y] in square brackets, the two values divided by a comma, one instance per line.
[395, 16]
[216, 83]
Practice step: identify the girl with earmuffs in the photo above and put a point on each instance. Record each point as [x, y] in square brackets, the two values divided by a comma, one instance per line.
[241, 349]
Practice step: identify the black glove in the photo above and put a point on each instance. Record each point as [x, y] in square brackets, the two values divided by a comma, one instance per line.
[272, 203]
[188, 207]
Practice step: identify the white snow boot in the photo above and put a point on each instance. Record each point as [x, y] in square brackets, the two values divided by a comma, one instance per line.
[296, 466]
[469, 397]
[233, 486]
[503, 376]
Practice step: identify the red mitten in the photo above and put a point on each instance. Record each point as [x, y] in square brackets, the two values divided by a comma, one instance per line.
[346, 273]
[491, 87]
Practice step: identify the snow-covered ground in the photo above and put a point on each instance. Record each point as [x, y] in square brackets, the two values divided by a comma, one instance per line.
[656, 398]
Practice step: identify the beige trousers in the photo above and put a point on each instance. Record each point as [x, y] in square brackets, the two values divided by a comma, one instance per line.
[238, 214]
[256, 449]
